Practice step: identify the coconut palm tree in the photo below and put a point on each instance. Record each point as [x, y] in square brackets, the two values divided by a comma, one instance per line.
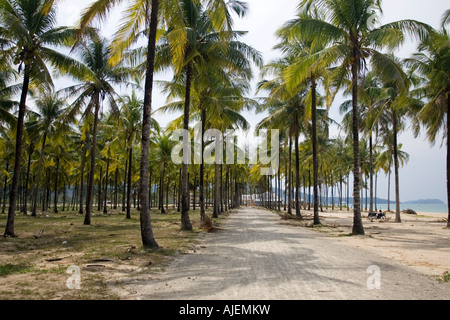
[385, 159]
[96, 77]
[286, 110]
[50, 107]
[29, 31]
[354, 35]
[31, 139]
[371, 93]
[206, 48]
[162, 153]
[394, 105]
[142, 18]
[7, 92]
[303, 69]
[431, 63]
[217, 99]
[130, 127]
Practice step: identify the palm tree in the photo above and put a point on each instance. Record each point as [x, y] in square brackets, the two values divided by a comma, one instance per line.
[286, 111]
[431, 62]
[351, 28]
[371, 92]
[226, 103]
[162, 152]
[130, 124]
[141, 14]
[217, 99]
[28, 31]
[385, 158]
[205, 48]
[303, 69]
[393, 104]
[7, 145]
[31, 138]
[7, 92]
[50, 107]
[145, 15]
[97, 77]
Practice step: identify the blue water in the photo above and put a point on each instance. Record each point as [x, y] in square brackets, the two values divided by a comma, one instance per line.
[436, 208]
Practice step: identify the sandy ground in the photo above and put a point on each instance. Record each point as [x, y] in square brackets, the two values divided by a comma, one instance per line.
[421, 241]
[258, 255]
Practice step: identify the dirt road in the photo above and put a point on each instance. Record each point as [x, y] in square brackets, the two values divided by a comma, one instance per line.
[257, 257]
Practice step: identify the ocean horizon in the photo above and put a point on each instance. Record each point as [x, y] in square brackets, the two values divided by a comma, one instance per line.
[435, 208]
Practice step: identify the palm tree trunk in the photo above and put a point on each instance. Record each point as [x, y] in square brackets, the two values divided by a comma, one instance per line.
[332, 191]
[55, 202]
[148, 239]
[27, 179]
[179, 191]
[227, 191]
[150, 204]
[99, 189]
[9, 230]
[90, 189]
[74, 196]
[297, 177]
[124, 191]
[348, 192]
[371, 171]
[389, 189]
[278, 199]
[309, 190]
[290, 177]
[202, 167]
[185, 221]
[130, 159]
[83, 164]
[221, 188]
[358, 227]
[5, 187]
[375, 190]
[161, 191]
[216, 189]
[64, 196]
[167, 193]
[315, 157]
[115, 188]
[195, 187]
[38, 178]
[365, 177]
[105, 196]
[396, 165]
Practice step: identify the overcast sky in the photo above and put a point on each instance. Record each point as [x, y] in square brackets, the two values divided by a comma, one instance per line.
[424, 176]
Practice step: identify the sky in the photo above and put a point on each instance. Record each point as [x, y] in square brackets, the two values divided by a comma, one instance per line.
[424, 175]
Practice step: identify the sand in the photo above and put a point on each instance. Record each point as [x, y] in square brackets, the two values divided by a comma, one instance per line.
[259, 255]
[420, 241]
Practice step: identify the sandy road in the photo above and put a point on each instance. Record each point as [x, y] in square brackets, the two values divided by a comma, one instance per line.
[256, 257]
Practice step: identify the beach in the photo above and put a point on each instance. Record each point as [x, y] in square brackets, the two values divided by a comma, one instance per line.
[420, 241]
[262, 254]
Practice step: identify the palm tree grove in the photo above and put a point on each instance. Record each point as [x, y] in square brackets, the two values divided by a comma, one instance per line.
[243, 183]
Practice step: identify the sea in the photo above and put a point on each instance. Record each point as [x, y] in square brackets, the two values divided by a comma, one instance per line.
[435, 208]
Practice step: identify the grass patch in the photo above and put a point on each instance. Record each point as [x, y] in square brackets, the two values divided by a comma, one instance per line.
[7, 269]
[345, 235]
[34, 264]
